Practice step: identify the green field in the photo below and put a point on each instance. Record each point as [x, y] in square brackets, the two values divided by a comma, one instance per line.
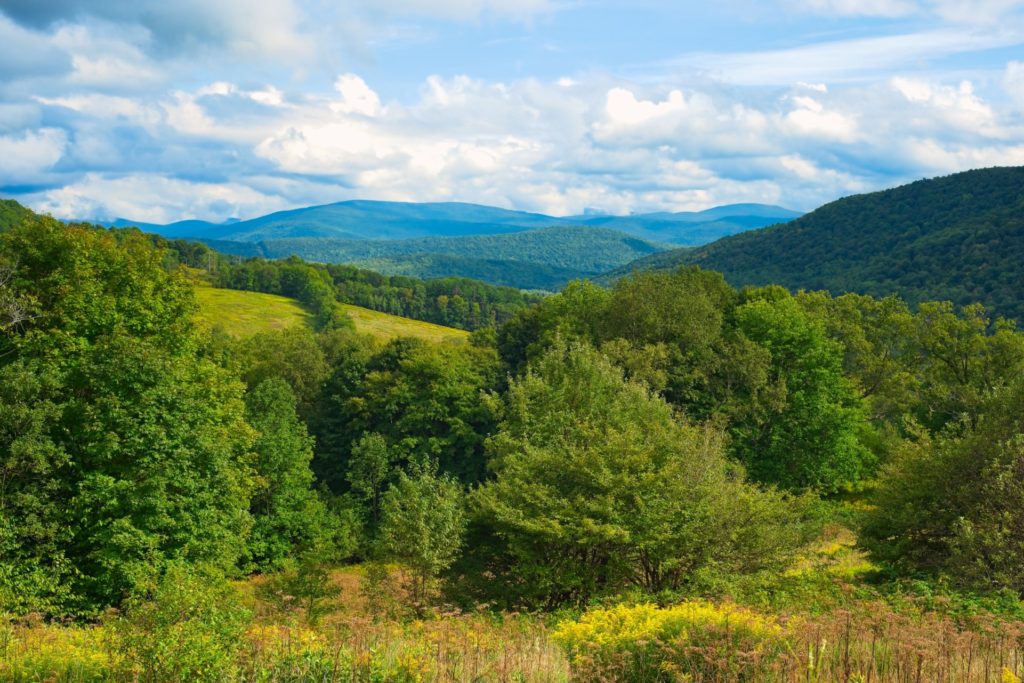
[242, 314]
[386, 326]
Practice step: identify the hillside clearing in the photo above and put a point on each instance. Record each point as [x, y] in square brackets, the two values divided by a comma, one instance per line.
[387, 326]
[242, 314]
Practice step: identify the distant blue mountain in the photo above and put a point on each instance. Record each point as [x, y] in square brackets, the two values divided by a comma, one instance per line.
[373, 220]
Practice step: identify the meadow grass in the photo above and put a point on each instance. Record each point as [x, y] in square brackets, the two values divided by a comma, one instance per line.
[695, 641]
[386, 326]
[243, 314]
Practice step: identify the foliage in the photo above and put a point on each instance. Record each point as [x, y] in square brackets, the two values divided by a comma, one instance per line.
[954, 503]
[598, 487]
[302, 584]
[425, 400]
[141, 443]
[803, 433]
[422, 523]
[369, 468]
[696, 641]
[287, 514]
[292, 354]
[186, 627]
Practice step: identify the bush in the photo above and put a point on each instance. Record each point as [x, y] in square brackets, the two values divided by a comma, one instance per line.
[697, 641]
[186, 629]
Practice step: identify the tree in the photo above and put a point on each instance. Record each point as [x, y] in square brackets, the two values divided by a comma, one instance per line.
[369, 467]
[597, 486]
[426, 400]
[287, 514]
[291, 354]
[954, 503]
[422, 523]
[802, 430]
[141, 442]
[964, 358]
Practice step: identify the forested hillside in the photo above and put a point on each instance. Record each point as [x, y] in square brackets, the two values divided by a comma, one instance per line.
[959, 238]
[544, 258]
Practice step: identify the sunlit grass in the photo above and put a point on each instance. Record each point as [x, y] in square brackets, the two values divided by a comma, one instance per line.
[243, 314]
[385, 326]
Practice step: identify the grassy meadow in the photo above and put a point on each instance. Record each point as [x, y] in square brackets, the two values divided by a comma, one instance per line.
[243, 314]
[385, 326]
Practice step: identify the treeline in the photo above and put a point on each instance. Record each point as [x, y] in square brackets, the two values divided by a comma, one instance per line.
[670, 437]
[455, 302]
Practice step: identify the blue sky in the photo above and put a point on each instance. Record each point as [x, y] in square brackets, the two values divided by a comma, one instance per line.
[160, 111]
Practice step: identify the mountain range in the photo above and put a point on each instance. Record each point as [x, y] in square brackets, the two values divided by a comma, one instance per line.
[375, 220]
[499, 246]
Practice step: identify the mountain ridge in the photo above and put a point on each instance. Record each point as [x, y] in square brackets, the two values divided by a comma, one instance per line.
[372, 219]
[958, 237]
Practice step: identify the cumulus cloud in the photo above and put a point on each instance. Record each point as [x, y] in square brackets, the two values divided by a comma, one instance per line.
[154, 111]
[25, 157]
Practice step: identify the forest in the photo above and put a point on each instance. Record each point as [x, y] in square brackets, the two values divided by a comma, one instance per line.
[666, 480]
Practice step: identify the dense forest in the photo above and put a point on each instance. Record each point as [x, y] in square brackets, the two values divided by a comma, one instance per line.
[528, 259]
[638, 483]
[960, 238]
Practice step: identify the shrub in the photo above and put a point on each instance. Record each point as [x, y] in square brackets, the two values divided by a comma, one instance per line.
[187, 628]
[697, 641]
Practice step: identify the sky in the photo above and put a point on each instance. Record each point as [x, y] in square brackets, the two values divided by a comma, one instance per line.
[160, 111]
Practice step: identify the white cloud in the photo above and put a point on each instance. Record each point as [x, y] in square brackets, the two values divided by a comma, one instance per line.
[154, 199]
[840, 61]
[810, 118]
[951, 107]
[1013, 82]
[975, 11]
[24, 157]
[356, 96]
[870, 8]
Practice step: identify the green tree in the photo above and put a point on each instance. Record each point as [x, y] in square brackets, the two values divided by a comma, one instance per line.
[287, 513]
[803, 429]
[953, 503]
[964, 358]
[597, 487]
[422, 524]
[140, 442]
[292, 354]
[369, 468]
[426, 400]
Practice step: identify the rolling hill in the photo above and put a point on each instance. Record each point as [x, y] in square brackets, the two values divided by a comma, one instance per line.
[958, 238]
[544, 258]
[374, 220]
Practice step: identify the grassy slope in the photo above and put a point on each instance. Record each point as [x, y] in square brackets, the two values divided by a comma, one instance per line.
[386, 326]
[246, 313]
